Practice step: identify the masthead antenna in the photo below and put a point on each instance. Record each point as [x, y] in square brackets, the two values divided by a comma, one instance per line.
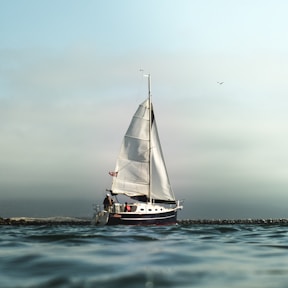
[149, 82]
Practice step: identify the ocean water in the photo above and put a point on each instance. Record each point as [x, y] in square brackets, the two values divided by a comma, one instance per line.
[155, 256]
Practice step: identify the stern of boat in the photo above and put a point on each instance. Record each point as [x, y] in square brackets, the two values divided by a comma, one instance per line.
[101, 218]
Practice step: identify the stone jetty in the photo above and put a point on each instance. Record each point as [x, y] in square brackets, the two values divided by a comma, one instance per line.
[21, 221]
[282, 221]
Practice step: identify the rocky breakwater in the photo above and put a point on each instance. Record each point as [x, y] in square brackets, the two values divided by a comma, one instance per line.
[81, 221]
[282, 221]
[44, 221]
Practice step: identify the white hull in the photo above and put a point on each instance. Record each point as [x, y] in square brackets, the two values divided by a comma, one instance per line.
[141, 214]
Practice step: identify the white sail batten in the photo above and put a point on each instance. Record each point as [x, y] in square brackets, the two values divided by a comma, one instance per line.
[132, 165]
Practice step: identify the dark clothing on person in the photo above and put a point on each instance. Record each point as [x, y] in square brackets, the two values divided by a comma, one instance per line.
[107, 202]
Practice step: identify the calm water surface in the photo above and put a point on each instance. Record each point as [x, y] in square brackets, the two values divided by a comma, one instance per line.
[124, 256]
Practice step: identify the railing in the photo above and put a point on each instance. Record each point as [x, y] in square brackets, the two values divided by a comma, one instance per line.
[179, 204]
[97, 208]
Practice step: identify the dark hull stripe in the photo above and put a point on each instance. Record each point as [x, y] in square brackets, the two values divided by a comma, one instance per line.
[143, 219]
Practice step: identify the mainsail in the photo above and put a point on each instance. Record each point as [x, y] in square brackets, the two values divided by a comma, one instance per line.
[133, 164]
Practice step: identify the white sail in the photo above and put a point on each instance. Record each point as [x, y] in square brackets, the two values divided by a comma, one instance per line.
[133, 164]
[161, 188]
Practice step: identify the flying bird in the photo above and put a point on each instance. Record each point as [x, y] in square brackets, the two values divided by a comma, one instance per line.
[220, 83]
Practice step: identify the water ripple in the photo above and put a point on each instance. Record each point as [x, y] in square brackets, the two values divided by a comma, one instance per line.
[124, 256]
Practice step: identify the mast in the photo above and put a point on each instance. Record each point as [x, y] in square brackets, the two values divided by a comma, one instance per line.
[149, 145]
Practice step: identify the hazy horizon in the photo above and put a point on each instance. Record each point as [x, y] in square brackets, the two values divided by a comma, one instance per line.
[70, 83]
[193, 209]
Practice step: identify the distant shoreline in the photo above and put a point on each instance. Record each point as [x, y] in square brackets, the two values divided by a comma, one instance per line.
[25, 221]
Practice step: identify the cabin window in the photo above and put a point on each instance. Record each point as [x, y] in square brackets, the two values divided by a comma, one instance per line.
[150, 209]
[142, 209]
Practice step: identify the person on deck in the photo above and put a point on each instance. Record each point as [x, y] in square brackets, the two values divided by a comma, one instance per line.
[107, 202]
[127, 208]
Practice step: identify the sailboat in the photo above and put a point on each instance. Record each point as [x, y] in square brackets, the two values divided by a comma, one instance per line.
[141, 176]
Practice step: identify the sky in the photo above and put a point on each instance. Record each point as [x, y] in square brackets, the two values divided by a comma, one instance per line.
[70, 83]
